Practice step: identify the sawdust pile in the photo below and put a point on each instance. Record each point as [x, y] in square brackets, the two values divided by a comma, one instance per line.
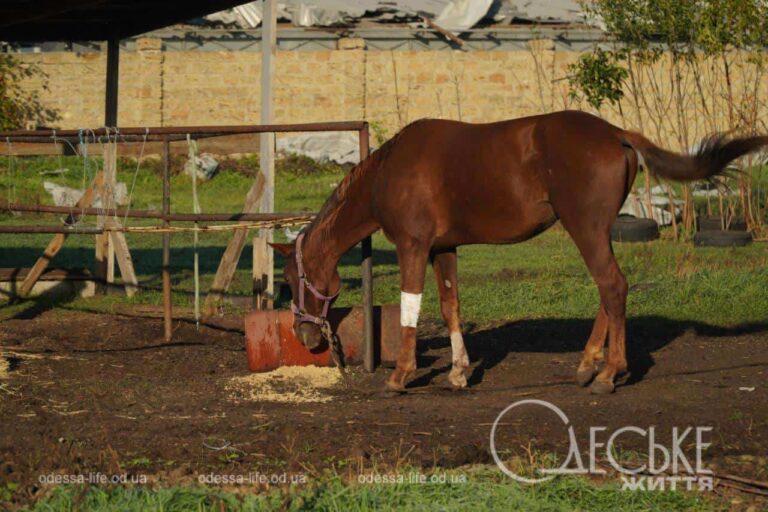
[294, 384]
[4, 367]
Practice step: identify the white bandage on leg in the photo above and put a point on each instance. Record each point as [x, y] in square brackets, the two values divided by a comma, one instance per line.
[410, 305]
[460, 357]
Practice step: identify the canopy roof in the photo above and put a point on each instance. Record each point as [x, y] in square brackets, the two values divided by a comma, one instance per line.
[83, 20]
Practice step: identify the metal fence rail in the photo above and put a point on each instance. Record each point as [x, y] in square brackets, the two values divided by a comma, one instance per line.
[166, 135]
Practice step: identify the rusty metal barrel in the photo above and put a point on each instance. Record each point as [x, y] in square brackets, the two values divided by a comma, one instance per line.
[270, 341]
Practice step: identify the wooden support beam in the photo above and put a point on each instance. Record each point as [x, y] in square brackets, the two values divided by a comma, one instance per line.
[109, 244]
[55, 245]
[124, 260]
[228, 263]
[446, 33]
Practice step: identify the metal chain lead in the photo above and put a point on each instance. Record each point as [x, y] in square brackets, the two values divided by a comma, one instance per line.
[337, 351]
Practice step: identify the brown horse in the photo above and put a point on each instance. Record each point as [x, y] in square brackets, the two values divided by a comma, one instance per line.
[440, 184]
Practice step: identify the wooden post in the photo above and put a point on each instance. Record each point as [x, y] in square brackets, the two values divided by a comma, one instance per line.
[167, 313]
[104, 271]
[260, 274]
[267, 140]
[118, 245]
[367, 277]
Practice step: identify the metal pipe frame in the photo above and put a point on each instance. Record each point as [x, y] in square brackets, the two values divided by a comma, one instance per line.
[160, 133]
[169, 134]
[148, 214]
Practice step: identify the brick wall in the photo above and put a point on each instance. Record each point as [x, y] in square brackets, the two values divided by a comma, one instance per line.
[386, 88]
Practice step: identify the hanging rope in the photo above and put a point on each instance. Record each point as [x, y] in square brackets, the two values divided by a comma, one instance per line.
[269, 224]
[135, 175]
[112, 182]
[192, 155]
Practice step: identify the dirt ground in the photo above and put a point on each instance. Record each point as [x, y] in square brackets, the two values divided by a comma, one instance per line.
[89, 392]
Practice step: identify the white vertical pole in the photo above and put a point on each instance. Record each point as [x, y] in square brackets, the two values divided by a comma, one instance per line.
[267, 140]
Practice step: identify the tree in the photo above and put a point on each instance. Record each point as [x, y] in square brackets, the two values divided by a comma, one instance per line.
[684, 67]
[20, 108]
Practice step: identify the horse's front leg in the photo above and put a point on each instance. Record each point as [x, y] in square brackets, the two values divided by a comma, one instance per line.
[412, 256]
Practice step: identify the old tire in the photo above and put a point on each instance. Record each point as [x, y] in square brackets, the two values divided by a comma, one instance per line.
[632, 229]
[707, 223]
[722, 238]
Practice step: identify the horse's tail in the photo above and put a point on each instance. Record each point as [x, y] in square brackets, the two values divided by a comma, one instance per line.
[711, 159]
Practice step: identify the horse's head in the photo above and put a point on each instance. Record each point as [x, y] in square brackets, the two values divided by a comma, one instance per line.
[311, 296]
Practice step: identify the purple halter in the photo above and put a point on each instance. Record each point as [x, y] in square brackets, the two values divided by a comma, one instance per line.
[298, 311]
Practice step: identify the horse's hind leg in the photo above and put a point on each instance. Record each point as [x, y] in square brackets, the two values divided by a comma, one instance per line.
[593, 351]
[412, 256]
[445, 265]
[595, 247]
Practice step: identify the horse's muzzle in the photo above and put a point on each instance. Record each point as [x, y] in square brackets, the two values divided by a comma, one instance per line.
[310, 335]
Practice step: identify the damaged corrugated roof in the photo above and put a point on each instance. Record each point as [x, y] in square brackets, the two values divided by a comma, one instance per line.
[453, 15]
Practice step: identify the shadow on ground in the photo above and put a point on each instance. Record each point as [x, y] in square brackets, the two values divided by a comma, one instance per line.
[645, 336]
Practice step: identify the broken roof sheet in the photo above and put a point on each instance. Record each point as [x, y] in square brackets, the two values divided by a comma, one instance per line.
[453, 15]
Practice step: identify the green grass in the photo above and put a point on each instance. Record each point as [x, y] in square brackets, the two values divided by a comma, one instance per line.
[478, 490]
[542, 278]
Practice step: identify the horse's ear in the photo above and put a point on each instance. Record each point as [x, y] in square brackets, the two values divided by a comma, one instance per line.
[284, 249]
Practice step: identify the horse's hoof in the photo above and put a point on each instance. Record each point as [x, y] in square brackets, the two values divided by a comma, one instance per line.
[397, 380]
[392, 385]
[585, 375]
[457, 377]
[622, 378]
[601, 387]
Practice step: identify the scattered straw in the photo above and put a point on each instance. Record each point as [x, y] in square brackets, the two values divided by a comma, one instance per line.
[4, 367]
[291, 384]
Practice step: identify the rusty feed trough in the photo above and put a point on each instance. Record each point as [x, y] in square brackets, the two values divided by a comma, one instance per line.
[270, 341]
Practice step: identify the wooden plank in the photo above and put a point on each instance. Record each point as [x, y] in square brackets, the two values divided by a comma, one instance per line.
[54, 246]
[124, 261]
[260, 274]
[267, 140]
[42, 262]
[116, 246]
[228, 263]
[446, 33]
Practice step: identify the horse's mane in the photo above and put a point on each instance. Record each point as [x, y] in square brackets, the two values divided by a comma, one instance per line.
[331, 206]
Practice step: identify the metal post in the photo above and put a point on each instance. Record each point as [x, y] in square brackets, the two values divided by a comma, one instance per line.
[167, 314]
[367, 272]
[267, 140]
[110, 96]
